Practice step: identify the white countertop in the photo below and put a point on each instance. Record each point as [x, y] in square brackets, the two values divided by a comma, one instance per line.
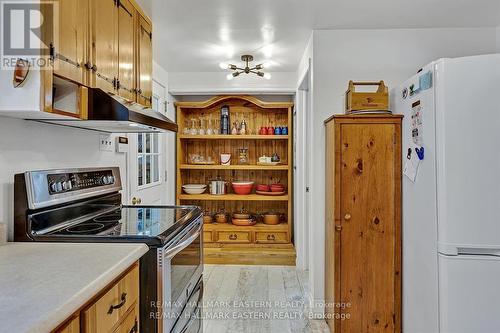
[43, 284]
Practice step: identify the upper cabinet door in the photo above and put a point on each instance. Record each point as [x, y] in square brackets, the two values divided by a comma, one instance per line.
[70, 46]
[126, 65]
[104, 50]
[145, 65]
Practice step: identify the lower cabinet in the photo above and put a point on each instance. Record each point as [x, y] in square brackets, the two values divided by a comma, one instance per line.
[226, 233]
[114, 310]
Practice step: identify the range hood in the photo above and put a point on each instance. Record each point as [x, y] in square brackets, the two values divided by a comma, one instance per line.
[113, 114]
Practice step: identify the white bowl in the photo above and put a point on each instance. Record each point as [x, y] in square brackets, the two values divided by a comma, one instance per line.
[194, 189]
[193, 186]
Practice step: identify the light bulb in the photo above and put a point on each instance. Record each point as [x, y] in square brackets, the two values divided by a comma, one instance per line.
[224, 65]
[267, 76]
[230, 76]
[267, 65]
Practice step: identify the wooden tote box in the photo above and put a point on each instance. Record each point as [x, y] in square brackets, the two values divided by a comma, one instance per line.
[357, 101]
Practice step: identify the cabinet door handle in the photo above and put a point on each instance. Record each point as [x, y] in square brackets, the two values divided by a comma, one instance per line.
[119, 305]
[233, 237]
[271, 237]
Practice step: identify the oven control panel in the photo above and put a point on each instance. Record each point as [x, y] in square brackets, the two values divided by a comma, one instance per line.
[74, 181]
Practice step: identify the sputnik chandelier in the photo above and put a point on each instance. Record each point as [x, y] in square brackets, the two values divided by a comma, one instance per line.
[247, 59]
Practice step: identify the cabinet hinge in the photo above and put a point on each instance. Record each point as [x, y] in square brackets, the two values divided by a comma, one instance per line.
[151, 35]
[52, 52]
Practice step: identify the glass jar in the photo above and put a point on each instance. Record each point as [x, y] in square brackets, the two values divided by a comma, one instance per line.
[243, 156]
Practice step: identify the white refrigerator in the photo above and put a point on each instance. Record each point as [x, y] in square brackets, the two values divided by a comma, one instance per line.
[451, 196]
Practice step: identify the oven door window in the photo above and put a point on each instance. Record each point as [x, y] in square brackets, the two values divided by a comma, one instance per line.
[183, 266]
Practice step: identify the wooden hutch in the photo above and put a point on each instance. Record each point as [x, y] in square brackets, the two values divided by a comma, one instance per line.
[225, 243]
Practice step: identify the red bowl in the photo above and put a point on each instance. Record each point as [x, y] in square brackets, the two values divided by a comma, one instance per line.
[242, 188]
[263, 188]
[277, 188]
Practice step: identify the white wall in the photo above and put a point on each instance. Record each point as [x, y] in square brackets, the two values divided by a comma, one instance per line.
[27, 145]
[391, 55]
[210, 83]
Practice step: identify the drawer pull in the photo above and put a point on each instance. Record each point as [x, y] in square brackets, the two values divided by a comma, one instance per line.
[271, 237]
[233, 237]
[119, 305]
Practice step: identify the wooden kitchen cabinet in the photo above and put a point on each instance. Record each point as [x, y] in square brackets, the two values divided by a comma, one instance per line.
[104, 44]
[69, 46]
[109, 311]
[144, 62]
[363, 223]
[126, 64]
[114, 310]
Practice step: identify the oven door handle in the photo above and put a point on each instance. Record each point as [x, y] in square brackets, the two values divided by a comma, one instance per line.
[186, 240]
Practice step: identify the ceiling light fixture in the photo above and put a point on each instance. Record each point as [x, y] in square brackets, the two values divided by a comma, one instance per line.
[257, 70]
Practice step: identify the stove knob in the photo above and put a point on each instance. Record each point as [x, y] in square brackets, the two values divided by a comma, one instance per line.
[59, 186]
[104, 180]
[53, 187]
[67, 185]
[111, 180]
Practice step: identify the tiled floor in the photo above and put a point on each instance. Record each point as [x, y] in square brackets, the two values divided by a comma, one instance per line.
[256, 299]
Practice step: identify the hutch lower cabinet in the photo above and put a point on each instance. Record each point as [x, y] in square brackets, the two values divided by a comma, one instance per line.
[363, 223]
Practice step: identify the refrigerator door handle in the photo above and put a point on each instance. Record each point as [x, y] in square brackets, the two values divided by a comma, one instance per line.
[479, 251]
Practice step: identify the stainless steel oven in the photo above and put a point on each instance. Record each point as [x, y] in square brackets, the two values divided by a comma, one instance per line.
[180, 268]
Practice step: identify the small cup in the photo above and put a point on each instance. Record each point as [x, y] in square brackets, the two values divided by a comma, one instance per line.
[277, 131]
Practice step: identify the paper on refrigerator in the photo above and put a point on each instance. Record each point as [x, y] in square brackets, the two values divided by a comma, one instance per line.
[412, 163]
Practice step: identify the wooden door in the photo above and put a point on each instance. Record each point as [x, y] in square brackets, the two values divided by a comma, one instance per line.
[369, 231]
[104, 51]
[70, 46]
[145, 63]
[126, 66]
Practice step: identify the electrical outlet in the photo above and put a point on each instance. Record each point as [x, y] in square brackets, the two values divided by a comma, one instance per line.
[105, 142]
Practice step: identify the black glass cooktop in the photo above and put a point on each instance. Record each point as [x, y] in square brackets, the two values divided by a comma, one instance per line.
[125, 223]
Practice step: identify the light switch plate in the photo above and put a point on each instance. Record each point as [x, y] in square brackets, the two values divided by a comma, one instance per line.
[105, 142]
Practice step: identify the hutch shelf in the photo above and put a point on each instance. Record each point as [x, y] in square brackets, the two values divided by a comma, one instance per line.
[225, 243]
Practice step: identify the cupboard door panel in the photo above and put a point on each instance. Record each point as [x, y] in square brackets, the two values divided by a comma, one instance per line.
[367, 213]
[130, 324]
[104, 23]
[145, 65]
[73, 326]
[126, 67]
[70, 46]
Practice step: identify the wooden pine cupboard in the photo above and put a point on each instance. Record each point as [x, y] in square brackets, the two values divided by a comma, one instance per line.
[99, 44]
[363, 223]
